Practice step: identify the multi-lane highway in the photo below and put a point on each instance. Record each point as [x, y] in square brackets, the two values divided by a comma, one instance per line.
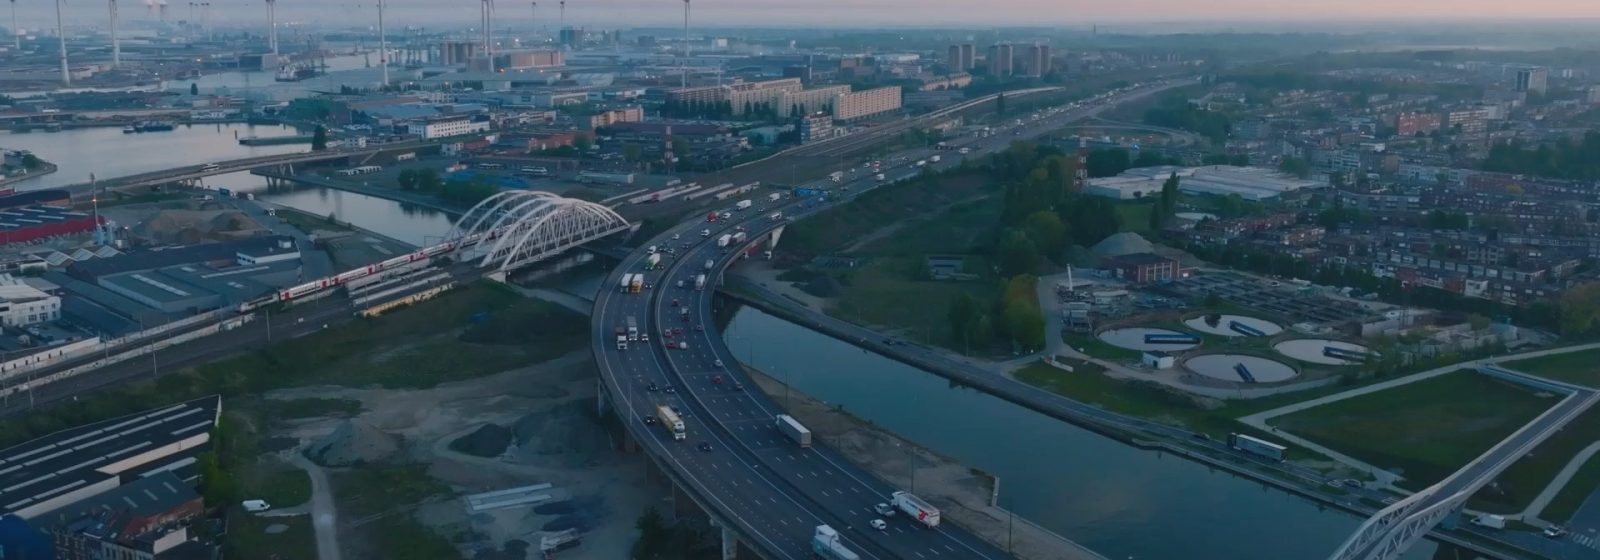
[734, 461]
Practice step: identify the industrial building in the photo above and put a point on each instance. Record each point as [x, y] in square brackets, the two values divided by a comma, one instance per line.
[182, 280]
[1250, 183]
[1142, 268]
[28, 223]
[118, 488]
[445, 127]
[22, 305]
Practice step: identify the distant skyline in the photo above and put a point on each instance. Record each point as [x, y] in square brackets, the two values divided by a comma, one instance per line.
[846, 13]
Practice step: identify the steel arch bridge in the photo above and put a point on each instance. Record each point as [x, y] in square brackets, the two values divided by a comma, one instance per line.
[514, 228]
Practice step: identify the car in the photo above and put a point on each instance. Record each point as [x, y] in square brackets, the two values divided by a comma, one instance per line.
[683, 345]
[674, 303]
[653, 388]
[738, 386]
[669, 389]
[644, 338]
[253, 506]
[677, 330]
[650, 420]
[705, 446]
[1555, 531]
[675, 236]
[883, 509]
[879, 525]
[716, 380]
[718, 363]
[699, 328]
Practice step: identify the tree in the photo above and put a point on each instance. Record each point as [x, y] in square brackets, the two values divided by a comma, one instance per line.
[428, 180]
[407, 179]
[1580, 309]
[194, 89]
[1108, 162]
[1047, 232]
[31, 162]
[1169, 197]
[582, 142]
[1025, 324]
[1295, 166]
[319, 139]
[631, 152]
[1018, 254]
[963, 316]
[1000, 104]
[680, 147]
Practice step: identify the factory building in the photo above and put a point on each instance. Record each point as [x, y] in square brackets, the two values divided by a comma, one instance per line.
[1250, 183]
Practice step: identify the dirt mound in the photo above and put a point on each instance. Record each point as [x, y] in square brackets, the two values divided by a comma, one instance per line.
[565, 430]
[353, 443]
[489, 440]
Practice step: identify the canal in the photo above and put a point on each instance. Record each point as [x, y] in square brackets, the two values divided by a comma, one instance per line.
[1124, 502]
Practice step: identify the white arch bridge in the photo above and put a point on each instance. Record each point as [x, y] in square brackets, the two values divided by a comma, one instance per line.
[514, 228]
[505, 231]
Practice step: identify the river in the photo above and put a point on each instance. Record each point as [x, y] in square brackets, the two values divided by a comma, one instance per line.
[1124, 502]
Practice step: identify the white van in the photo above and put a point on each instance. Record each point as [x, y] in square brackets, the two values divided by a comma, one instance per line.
[254, 506]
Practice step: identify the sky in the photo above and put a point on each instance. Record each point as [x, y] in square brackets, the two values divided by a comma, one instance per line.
[840, 13]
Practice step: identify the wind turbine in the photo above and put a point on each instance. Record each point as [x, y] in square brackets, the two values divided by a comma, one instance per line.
[61, 36]
[116, 45]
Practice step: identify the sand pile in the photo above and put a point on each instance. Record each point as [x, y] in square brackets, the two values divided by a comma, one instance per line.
[353, 443]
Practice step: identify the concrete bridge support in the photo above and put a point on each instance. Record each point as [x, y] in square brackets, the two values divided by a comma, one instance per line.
[730, 541]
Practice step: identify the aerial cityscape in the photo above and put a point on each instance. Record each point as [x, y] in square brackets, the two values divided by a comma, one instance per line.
[759, 279]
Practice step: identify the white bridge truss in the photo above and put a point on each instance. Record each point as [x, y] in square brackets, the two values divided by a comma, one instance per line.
[514, 228]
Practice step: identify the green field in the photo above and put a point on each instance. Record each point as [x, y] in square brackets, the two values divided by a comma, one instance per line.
[1135, 216]
[841, 225]
[248, 538]
[1578, 488]
[1096, 348]
[1423, 430]
[1517, 486]
[887, 292]
[1572, 367]
[959, 229]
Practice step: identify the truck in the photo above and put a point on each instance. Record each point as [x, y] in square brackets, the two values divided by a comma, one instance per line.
[724, 240]
[837, 176]
[1257, 446]
[652, 261]
[739, 237]
[710, 264]
[826, 544]
[633, 329]
[1490, 521]
[776, 216]
[700, 282]
[638, 283]
[913, 506]
[934, 158]
[626, 285]
[622, 338]
[794, 430]
[878, 177]
[774, 197]
[671, 422]
[743, 204]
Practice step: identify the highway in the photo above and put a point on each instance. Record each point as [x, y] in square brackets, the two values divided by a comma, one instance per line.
[233, 166]
[775, 492]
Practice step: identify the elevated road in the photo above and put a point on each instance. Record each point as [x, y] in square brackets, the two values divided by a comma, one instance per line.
[194, 172]
[735, 463]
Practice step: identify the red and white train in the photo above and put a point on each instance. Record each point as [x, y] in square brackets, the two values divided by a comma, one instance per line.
[312, 287]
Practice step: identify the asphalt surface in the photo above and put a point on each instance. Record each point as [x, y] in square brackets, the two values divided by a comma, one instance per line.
[753, 476]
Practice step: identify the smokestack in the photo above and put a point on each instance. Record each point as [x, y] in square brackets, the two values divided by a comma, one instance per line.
[685, 67]
[16, 34]
[488, 33]
[383, 46]
[533, 18]
[116, 45]
[61, 35]
[562, 23]
[161, 7]
[272, 30]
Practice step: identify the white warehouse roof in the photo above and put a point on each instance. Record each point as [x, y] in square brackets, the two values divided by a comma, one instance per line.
[1250, 183]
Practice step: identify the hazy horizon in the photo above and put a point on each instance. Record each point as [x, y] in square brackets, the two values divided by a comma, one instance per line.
[1142, 14]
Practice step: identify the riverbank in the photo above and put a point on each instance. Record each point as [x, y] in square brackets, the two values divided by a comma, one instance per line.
[963, 494]
[44, 168]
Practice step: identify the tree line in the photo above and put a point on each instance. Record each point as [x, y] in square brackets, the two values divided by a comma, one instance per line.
[1564, 159]
[460, 193]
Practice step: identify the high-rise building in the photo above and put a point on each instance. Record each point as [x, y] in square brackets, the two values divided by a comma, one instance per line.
[571, 36]
[867, 103]
[1036, 60]
[816, 126]
[1001, 57]
[961, 57]
[1533, 79]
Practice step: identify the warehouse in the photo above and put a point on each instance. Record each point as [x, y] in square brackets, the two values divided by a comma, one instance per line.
[1249, 183]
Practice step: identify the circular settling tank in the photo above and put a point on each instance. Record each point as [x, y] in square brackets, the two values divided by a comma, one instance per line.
[1240, 367]
[1316, 350]
[1233, 325]
[1133, 338]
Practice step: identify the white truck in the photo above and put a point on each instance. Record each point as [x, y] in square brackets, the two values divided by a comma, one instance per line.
[913, 506]
[934, 158]
[700, 282]
[836, 176]
[774, 197]
[652, 261]
[743, 204]
[710, 264]
[776, 216]
[627, 284]
[826, 544]
[878, 177]
[723, 241]
[671, 422]
[1490, 521]
[739, 237]
[633, 329]
[792, 428]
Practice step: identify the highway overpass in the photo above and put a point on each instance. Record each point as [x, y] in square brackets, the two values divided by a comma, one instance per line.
[201, 171]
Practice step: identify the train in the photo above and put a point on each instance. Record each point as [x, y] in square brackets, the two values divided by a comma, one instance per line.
[294, 292]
